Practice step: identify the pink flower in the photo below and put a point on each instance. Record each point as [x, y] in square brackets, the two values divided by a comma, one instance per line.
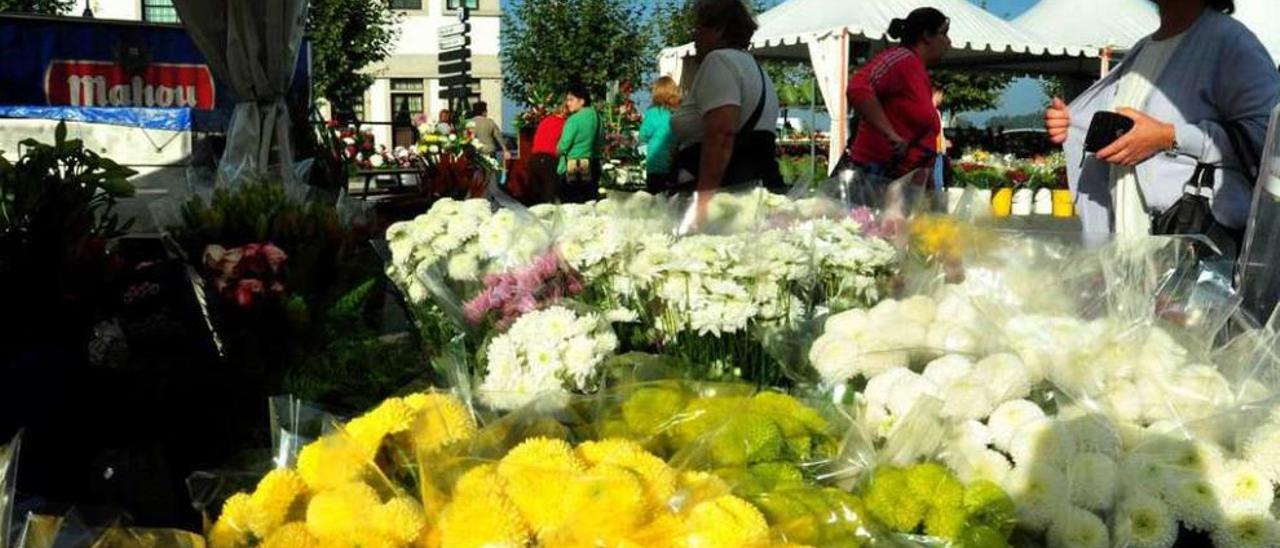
[476, 309]
[275, 256]
[574, 285]
[246, 290]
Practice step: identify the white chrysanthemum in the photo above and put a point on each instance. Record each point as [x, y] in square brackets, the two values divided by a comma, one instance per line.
[972, 434]
[1243, 489]
[1045, 441]
[544, 351]
[1262, 449]
[464, 267]
[1007, 377]
[1194, 500]
[1144, 521]
[834, 358]
[1123, 400]
[850, 323]
[967, 399]
[1092, 431]
[957, 308]
[1248, 531]
[1092, 477]
[920, 309]
[880, 387]
[1078, 528]
[972, 464]
[952, 338]
[1198, 391]
[948, 369]
[1009, 417]
[1040, 492]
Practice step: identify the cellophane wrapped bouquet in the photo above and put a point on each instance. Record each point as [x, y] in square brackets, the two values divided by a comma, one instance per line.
[1092, 385]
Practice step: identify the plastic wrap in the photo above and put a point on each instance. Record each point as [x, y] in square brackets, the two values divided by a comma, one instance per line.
[8, 485]
[53, 531]
[1258, 278]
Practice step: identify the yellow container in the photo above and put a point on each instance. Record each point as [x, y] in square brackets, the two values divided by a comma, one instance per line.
[1063, 204]
[1002, 203]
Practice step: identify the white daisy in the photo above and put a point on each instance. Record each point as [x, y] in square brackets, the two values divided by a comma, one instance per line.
[1145, 522]
[1078, 528]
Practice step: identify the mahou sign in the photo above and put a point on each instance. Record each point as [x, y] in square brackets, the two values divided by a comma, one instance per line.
[107, 84]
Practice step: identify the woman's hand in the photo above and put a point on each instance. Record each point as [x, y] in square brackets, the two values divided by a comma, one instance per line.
[1148, 137]
[1057, 121]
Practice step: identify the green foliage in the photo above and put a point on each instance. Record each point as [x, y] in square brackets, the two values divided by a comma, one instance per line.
[970, 91]
[551, 44]
[42, 7]
[57, 221]
[347, 38]
[673, 19]
[1052, 86]
[1029, 120]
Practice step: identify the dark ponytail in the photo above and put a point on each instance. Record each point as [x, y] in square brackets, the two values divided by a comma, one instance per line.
[1225, 6]
[920, 23]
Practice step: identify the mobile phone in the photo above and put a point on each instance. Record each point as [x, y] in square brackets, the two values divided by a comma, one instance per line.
[1104, 129]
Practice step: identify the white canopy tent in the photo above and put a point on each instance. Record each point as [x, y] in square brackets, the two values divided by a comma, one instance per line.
[1257, 15]
[824, 32]
[1117, 24]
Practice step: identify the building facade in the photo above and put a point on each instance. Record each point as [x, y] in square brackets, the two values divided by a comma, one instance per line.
[407, 80]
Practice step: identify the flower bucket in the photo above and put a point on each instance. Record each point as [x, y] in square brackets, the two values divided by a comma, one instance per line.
[1002, 202]
[1022, 202]
[1063, 204]
[954, 197]
[1044, 202]
[980, 203]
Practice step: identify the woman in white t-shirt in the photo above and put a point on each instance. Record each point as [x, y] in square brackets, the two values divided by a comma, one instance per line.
[726, 124]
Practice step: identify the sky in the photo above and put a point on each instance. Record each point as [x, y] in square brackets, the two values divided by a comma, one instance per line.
[1021, 97]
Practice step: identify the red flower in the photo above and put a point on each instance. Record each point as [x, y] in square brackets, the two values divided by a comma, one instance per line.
[246, 290]
[275, 256]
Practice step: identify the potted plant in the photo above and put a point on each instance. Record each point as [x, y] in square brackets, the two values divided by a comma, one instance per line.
[1023, 195]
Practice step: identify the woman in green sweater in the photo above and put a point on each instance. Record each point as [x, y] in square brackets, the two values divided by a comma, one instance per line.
[657, 137]
[581, 147]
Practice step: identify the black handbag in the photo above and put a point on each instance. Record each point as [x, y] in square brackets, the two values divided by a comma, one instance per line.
[1192, 214]
[755, 154]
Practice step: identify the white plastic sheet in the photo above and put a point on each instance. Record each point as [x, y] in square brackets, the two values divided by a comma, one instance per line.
[252, 45]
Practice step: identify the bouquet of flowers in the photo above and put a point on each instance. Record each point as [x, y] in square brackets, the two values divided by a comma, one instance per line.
[546, 351]
[244, 273]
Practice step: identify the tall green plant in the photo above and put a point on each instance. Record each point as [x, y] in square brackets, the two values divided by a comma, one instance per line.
[57, 222]
[42, 7]
[348, 37]
[970, 91]
[551, 44]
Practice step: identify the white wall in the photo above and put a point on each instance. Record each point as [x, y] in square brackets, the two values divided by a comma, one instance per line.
[130, 10]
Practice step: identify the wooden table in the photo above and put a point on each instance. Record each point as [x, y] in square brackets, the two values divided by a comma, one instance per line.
[398, 173]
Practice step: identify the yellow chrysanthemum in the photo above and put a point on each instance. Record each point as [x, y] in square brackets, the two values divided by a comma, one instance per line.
[236, 511]
[331, 461]
[390, 417]
[224, 535]
[604, 506]
[274, 500]
[659, 479]
[535, 473]
[339, 513]
[439, 420]
[480, 514]
[400, 519]
[665, 530]
[698, 486]
[292, 535]
[727, 521]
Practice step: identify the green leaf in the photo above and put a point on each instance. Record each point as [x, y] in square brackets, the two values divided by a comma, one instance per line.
[60, 134]
[118, 187]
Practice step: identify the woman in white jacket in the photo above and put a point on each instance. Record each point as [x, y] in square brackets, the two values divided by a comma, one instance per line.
[1200, 71]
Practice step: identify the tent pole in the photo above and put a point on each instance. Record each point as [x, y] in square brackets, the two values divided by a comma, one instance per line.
[813, 124]
[1106, 62]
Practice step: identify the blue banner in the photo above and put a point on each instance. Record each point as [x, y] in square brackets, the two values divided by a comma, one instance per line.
[173, 119]
[79, 62]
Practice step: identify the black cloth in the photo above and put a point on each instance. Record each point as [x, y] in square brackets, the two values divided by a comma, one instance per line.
[543, 177]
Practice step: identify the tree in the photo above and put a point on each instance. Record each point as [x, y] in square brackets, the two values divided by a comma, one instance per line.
[674, 19]
[43, 7]
[347, 37]
[548, 45]
[970, 91]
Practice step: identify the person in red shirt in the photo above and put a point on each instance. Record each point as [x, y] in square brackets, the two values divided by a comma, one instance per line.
[542, 168]
[892, 94]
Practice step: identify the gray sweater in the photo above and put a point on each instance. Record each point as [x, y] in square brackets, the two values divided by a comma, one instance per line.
[489, 135]
[1220, 72]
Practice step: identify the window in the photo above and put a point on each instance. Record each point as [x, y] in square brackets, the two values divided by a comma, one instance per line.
[408, 96]
[159, 11]
[406, 4]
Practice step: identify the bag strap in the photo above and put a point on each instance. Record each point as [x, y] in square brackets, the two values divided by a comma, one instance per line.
[759, 111]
